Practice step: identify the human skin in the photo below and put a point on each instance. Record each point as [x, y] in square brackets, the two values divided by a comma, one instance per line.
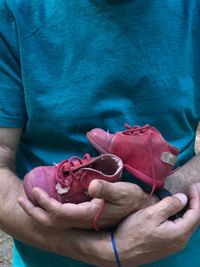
[183, 177]
[121, 200]
[154, 226]
[89, 246]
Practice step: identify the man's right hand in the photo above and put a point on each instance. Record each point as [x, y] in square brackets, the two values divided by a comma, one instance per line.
[148, 235]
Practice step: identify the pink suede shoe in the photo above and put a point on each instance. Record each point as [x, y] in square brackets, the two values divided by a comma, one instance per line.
[68, 180]
[143, 150]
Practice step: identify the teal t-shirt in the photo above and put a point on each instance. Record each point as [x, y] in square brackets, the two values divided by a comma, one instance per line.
[69, 66]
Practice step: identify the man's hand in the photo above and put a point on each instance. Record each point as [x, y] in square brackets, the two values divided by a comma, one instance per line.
[121, 199]
[148, 235]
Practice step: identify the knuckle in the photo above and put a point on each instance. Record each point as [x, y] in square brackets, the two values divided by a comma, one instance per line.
[176, 241]
[55, 214]
[122, 196]
[41, 200]
[131, 196]
[180, 245]
[179, 242]
[172, 203]
[175, 244]
[187, 229]
[87, 213]
[149, 214]
[105, 190]
[50, 223]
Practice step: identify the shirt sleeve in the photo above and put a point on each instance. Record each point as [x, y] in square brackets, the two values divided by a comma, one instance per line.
[12, 104]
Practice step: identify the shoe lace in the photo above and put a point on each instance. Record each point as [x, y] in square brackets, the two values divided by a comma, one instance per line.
[65, 175]
[135, 130]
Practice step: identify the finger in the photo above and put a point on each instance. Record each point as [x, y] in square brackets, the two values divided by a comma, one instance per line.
[168, 207]
[116, 193]
[191, 218]
[79, 211]
[103, 190]
[45, 201]
[36, 213]
[70, 217]
[67, 211]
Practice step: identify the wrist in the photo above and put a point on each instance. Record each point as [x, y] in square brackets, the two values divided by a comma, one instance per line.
[13, 219]
[100, 250]
[84, 245]
[176, 183]
[184, 177]
[128, 250]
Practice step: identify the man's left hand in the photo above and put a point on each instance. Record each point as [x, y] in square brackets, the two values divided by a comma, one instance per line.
[121, 198]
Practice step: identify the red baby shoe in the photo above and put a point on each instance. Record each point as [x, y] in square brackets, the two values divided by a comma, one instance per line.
[143, 150]
[68, 180]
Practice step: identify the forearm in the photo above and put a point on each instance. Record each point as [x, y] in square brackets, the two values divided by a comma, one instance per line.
[13, 219]
[81, 245]
[185, 176]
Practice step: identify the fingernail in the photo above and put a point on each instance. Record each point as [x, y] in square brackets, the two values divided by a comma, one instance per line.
[183, 198]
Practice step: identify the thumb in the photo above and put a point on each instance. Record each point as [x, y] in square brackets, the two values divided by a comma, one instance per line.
[104, 190]
[169, 206]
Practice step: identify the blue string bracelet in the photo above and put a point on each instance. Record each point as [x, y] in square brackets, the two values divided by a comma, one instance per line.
[115, 249]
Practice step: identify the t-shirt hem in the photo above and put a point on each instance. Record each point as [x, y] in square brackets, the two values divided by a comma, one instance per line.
[12, 123]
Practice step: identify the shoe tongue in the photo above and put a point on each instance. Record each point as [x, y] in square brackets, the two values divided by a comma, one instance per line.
[75, 164]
